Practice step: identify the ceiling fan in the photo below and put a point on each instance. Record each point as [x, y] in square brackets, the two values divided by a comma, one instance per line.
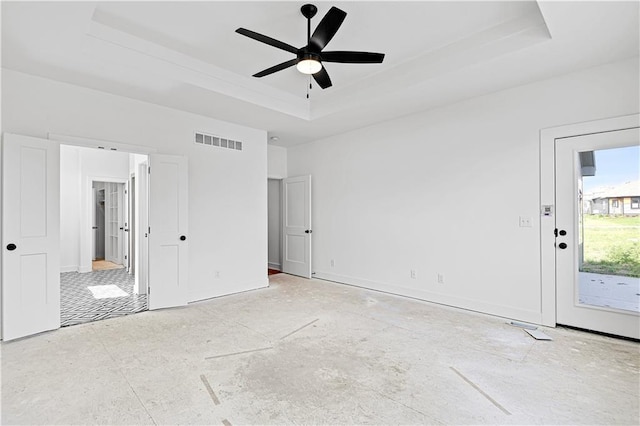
[309, 58]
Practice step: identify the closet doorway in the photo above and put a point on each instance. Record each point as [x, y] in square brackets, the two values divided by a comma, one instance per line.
[110, 226]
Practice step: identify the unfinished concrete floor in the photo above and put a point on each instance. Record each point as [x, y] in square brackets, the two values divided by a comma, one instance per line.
[314, 352]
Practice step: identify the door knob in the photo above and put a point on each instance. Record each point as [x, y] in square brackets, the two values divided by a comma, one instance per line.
[562, 246]
[182, 237]
[11, 247]
[563, 232]
[308, 231]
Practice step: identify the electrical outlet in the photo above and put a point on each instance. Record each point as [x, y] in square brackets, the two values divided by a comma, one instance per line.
[332, 263]
[525, 222]
[216, 274]
[414, 274]
[440, 278]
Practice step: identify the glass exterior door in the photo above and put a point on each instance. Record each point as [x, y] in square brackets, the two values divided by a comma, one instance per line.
[598, 232]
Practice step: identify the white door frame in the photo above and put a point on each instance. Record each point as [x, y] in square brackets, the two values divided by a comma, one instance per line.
[131, 196]
[547, 198]
[142, 227]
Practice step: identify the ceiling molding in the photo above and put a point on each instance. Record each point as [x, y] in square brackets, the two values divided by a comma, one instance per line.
[185, 55]
[156, 59]
[483, 46]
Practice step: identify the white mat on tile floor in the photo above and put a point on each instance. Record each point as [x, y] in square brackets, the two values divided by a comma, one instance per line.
[107, 291]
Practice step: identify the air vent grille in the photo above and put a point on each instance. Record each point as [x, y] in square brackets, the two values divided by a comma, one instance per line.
[212, 140]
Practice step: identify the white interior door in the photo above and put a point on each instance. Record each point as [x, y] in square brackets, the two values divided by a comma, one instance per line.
[572, 309]
[30, 236]
[115, 221]
[296, 226]
[168, 243]
[112, 223]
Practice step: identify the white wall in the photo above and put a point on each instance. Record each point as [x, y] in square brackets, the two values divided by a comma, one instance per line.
[276, 162]
[441, 192]
[70, 208]
[227, 188]
[274, 220]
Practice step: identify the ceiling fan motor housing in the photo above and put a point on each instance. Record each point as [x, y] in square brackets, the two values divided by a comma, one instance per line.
[309, 11]
[306, 54]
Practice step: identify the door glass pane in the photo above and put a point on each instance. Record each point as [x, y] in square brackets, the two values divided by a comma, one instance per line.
[609, 228]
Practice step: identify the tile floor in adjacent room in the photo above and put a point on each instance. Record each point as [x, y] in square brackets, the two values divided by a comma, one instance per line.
[98, 295]
[313, 352]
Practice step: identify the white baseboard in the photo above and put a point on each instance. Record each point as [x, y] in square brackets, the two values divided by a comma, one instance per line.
[274, 265]
[443, 299]
[85, 269]
[73, 268]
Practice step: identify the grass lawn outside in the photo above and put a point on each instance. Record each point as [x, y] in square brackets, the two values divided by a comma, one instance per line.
[612, 245]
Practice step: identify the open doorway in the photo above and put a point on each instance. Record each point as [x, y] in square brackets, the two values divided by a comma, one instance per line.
[289, 226]
[274, 234]
[100, 203]
[109, 229]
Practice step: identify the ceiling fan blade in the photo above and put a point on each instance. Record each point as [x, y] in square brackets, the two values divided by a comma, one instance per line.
[353, 57]
[277, 68]
[327, 28]
[322, 78]
[267, 40]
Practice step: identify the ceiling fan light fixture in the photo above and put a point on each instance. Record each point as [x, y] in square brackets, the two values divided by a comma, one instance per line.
[309, 66]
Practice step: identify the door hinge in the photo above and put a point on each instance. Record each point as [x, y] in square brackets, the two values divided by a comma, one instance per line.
[149, 229]
[148, 291]
[149, 169]
[555, 232]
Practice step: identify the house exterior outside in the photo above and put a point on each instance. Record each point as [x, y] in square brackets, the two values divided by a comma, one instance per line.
[620, 200]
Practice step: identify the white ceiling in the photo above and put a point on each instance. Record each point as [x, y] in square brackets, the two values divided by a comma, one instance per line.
[186, 55]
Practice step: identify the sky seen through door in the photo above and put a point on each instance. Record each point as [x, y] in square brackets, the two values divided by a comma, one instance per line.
[614, 167]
